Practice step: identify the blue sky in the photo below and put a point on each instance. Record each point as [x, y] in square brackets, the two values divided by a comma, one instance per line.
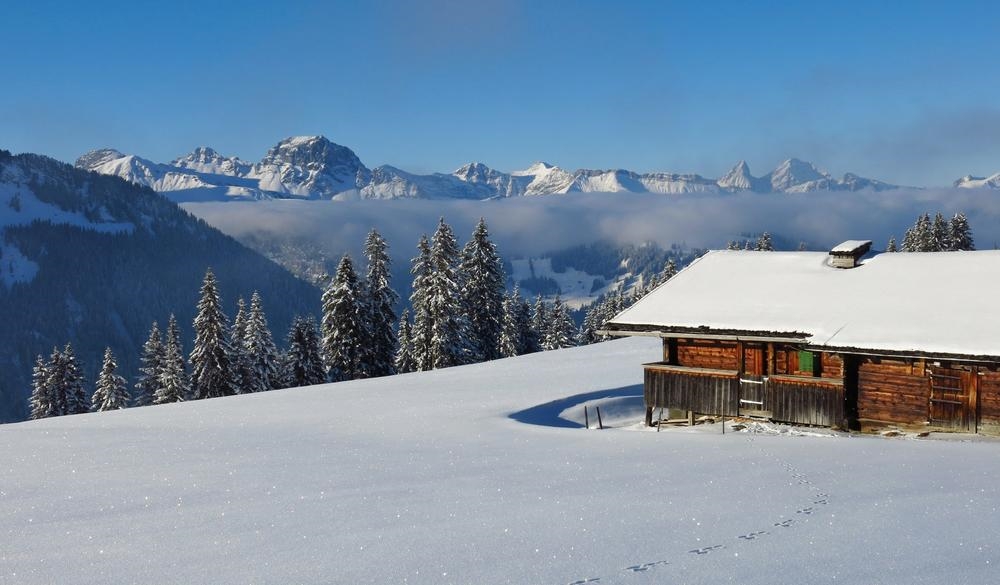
[902, 91]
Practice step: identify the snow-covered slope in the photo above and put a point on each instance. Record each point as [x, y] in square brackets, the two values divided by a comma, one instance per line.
[485, 476]
[970, 182]
[312, 167]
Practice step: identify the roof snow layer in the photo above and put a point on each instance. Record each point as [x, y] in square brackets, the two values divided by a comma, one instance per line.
[925, 303]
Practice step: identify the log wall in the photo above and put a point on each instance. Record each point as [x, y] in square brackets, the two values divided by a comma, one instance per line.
[893, 391]
[706, 353]
[816, 402]
[989, 401]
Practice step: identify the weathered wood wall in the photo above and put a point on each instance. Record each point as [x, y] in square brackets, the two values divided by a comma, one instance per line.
[989, 401]
[893, 390]
[810, 401]
[806, 401]
[702, 392]
[707, 353]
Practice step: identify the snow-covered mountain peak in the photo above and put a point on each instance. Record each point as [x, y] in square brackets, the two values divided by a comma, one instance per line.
[96, 158]
[795, 173]
[738, 178]
[312, 152]
[207, 160]
[538, 168]
[973, 182]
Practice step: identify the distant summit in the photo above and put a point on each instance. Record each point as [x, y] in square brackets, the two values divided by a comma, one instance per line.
[313, 167]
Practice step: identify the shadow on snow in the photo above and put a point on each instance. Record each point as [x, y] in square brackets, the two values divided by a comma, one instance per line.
[547, 415]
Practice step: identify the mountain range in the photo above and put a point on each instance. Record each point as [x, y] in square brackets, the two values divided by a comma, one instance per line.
[313, 167]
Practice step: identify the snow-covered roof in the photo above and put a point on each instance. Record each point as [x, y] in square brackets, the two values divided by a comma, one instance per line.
[850, 246]
[927, 303]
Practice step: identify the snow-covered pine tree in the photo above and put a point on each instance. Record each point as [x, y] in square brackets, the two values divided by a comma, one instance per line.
[243, 374]
[764, 243]
[304, 359]
[960, 234]
[173, 379]
[259, 349]
[450, 345]
[482, 286]
[404, 359]
[512, 335]
[733, 245]
[421, 270]
[111, 392]
[940, 234]
[149, 369]
[343, 326]
[77, 400]
[211, 357]
[669, 271]
[561, 332]
[891, 246]
[381, 314]
[539, 324]
[529, 341]
[42, 401]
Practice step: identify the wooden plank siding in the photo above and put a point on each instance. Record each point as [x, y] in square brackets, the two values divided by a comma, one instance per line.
[795, 400]
[705, 392]
[893, 391]
[806, 401]
[989, 401]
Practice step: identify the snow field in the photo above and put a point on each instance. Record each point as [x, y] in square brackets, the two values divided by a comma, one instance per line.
[482, 474]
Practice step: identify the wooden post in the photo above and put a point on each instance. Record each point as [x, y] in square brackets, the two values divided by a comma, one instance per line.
[600, 424]
[690, 418]
[649, 417]
[586, 417]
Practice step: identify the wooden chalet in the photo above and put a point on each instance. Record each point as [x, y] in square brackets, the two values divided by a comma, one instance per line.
[909, 340]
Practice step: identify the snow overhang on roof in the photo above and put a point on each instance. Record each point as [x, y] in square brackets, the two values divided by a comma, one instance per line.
[936, 303]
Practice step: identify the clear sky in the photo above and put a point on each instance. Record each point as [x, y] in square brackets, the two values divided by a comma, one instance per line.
[903, 91]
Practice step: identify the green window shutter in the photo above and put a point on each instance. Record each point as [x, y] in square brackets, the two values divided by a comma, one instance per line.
[806, 361]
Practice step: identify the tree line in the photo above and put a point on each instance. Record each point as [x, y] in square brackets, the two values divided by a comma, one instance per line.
[460, 313]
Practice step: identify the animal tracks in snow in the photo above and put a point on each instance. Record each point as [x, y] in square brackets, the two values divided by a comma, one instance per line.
[753, 535]
[706, 549]
[645, 566]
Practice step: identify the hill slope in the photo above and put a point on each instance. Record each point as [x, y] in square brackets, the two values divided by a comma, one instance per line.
[482, 474]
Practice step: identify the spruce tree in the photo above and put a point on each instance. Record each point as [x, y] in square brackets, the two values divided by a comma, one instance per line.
[174, 385]
[960, 234]
[243, 374]
[421, 269]
[211, 356]
[449, 344]
[891, 247]
[111, 392]
[380, 302]
[482, 286]
[42, 401]
[512, 335]
[343, 326]
[669, 271]
[77, 400]
[259, 349]
[304, 360]
[561, 330]
[539, 324]
[405, 361]
[151, 364]
[764, 243]
[940, 236]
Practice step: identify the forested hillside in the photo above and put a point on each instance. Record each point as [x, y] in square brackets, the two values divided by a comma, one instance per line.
[93, 260]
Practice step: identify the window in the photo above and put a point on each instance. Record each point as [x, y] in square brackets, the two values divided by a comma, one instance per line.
[806, 361]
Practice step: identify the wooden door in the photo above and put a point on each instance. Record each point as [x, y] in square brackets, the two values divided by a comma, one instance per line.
[952, 397]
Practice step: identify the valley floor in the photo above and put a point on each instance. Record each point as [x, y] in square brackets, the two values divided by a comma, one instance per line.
[483, 474]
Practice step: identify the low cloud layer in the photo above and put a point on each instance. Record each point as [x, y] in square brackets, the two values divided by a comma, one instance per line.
[532, 226]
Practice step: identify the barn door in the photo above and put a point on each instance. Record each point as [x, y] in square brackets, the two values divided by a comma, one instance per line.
[952, 397]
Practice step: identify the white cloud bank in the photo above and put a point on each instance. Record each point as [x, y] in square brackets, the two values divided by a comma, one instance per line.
[531, 226]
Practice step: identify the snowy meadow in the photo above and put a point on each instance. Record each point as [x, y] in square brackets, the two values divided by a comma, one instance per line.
[483, 474]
